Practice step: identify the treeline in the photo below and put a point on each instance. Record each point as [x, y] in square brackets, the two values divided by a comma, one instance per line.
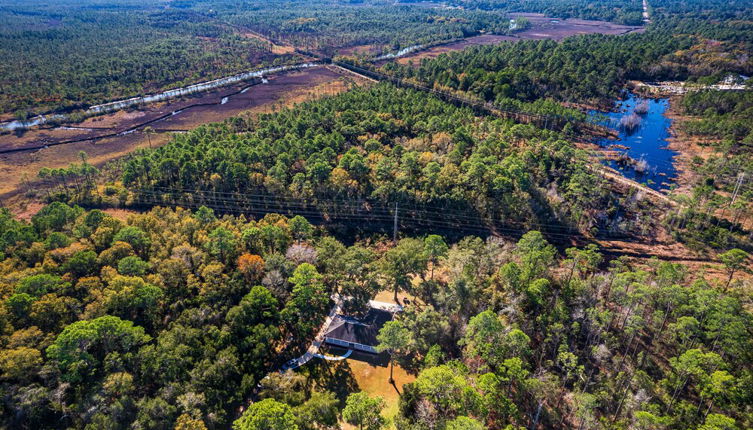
[381, 146]
[711, 10]
[590, 68]
[326, 26]
[70, 56]
[725, 116]
[168, 316]
[718, 20]
[621, 12]
[719, 210]
[505, 336]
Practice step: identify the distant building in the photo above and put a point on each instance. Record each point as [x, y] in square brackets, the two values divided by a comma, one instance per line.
[734, 79]
[360, 334]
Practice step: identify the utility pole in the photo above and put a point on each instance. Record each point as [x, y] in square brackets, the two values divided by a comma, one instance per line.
[394, 226]
[738, 184]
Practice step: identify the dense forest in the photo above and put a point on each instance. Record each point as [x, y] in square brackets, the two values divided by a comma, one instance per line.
[172, 318]
[74, 55]
[511, 336]
[167, 289]
[721, 200]
[591, 69]
[108, 323]
[324, 26]
[380, 146]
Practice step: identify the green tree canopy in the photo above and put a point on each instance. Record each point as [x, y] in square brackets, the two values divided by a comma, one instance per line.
[267, 414]
[364, 412]
[82, 347]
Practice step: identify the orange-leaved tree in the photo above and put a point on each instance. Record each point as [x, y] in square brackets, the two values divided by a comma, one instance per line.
[251, 266]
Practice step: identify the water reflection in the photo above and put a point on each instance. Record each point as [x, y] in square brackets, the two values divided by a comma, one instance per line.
[163, 96]
[641, 152]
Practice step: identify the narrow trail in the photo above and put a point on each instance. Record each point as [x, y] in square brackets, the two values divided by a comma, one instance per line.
[344, 71]
[114, 132]
[118, 105]
[616, 177]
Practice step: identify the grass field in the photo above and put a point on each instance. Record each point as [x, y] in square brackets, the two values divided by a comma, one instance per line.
[375, 381]
[361, 372]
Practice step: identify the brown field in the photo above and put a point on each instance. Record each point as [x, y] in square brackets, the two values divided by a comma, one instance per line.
[686, 146]
[18, 170]
[436, 51]
[280, 87]
[361, 372]
[360, 49]
[275, 49]
[375, 381]
[542, 27]
[387, 296]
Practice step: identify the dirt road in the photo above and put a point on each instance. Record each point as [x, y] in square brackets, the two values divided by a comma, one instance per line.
[18, 170]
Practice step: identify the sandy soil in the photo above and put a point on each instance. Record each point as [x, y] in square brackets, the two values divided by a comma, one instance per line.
[120, 214]
[388, 296]
[542, 27]
[18, 170]
[485, 39]
[687, 147]
[276, 49]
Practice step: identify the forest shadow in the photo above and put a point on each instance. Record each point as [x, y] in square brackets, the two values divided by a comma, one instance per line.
[334, 376]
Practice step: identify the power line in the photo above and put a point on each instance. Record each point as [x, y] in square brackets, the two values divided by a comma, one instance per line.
[466, 101]
[432, 219]
[323, 204]
[414, 216]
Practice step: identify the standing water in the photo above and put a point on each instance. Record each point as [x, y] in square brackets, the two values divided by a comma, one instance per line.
[166, 95]
[398, 54]
[643, 138]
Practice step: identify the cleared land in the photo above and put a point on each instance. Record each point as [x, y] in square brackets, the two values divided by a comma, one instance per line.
[18, 170]
[375, 381]
[177, 115]
[542, 27]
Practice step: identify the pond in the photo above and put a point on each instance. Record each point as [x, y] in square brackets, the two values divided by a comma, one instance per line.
[641, 153]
